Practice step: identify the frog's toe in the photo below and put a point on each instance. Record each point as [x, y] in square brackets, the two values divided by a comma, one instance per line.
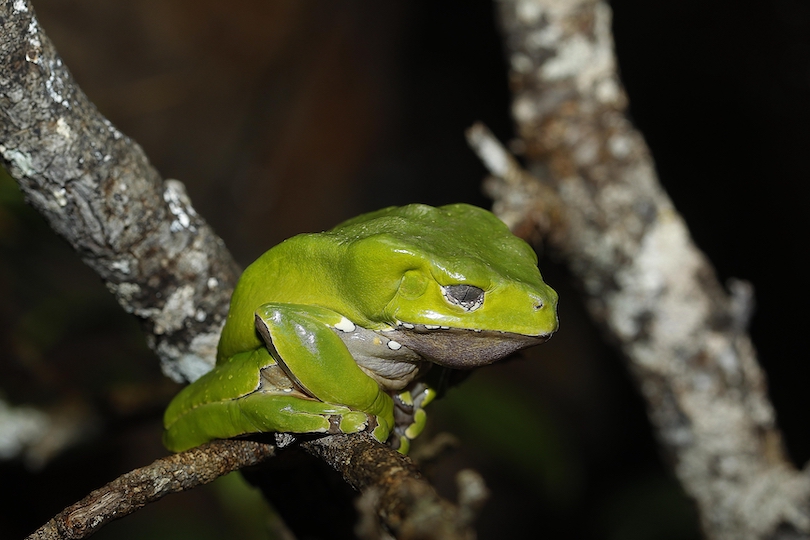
[352, 422]
[418, 425]
[381, 433]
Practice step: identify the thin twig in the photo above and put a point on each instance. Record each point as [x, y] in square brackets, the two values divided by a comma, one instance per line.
[135, 489]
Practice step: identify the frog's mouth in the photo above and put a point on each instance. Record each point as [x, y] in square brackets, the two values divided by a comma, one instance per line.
[461, 348]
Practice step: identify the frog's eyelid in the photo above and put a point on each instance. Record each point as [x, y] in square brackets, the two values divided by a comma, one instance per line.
[468, 297]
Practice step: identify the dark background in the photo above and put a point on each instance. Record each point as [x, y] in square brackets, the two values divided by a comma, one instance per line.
[290, 116]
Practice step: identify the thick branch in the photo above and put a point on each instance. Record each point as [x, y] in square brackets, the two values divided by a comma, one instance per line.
[97, 189]
[644, 279]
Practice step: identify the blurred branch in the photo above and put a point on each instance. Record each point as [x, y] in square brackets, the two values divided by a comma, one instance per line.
[38, 434]
[165, 265]
[643, 278]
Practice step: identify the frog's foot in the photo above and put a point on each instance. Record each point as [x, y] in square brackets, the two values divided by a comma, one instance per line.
[266, 412]
[351, 422]
[409, 415]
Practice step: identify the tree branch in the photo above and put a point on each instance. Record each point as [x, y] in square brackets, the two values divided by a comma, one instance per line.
[644, 280]
[135, 489]
[97, 189]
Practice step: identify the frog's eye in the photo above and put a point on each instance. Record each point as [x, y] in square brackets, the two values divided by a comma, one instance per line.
[467, 296]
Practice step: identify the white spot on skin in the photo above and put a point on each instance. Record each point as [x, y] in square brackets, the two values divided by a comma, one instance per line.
[409, 326]
[394, 345]
[212, 283]
[432, 326]
[345, 325]
[20, 7]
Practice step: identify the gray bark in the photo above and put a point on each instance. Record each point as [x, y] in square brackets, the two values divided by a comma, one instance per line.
[96, 188]
[645, 281]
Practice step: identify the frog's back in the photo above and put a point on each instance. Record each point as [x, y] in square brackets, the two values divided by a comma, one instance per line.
[299, 270]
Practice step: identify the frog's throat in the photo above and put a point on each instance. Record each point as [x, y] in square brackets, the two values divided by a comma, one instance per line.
[461, 348]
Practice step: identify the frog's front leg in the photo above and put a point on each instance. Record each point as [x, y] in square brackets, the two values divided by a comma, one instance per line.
[304, 340]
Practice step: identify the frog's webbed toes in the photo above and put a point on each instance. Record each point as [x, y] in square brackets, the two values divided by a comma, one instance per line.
[409, 415]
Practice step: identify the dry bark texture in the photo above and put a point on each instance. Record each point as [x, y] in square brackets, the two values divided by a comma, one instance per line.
[96, 188]
[645, 281]
[135, 489]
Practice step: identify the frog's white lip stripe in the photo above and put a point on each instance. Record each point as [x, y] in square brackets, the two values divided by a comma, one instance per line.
[426, 328]
[345, 325]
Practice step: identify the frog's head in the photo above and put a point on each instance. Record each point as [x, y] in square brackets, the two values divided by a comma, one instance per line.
[453, 282]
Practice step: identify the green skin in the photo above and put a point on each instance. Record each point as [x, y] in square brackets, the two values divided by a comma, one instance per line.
[333, 332]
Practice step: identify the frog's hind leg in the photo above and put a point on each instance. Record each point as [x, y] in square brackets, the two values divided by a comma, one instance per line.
[260, 412]
[289, 414]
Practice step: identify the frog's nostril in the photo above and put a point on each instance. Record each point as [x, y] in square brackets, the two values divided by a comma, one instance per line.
[538, 305]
